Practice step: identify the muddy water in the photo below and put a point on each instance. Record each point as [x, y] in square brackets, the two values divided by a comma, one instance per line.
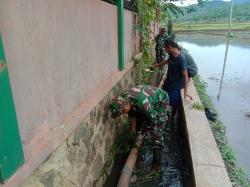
[173, 169]
[230, 92]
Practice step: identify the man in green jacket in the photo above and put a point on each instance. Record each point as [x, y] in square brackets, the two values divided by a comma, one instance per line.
[146, 107]
[160, 52]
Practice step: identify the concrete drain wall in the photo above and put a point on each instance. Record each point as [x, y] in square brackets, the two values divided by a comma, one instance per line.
[208, 169]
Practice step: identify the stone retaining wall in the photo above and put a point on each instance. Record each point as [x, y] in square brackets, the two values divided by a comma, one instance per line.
[79, 160]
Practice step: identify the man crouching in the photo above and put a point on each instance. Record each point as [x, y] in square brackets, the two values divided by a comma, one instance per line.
[146, 107]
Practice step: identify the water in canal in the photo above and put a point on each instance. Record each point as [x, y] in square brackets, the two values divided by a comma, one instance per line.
[228, 89]
[174, 169]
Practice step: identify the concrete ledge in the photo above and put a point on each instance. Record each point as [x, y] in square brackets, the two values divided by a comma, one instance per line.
[208, 167]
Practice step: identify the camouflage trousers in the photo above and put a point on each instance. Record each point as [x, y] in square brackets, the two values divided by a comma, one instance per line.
[160, 55]
[156, 131]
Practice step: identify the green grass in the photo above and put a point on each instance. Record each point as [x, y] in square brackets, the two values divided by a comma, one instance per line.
[198, 106]
[142, 63]
[209, 26]
[236, 174]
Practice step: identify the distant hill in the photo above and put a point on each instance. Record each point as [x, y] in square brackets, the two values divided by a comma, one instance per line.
[241, 1]
[216, 11]
[235, 1]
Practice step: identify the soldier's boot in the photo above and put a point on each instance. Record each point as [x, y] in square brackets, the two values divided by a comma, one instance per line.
[157, 158]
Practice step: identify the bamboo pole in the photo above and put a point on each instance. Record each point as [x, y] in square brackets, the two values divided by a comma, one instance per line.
[230, 18]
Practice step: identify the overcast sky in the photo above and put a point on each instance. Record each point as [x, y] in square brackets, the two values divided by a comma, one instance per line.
[185, 2]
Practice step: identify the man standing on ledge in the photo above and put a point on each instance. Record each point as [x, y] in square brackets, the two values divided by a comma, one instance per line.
[146, 107]
[177, 76]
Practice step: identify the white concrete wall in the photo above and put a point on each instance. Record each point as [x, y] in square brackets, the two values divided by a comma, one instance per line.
[208, 167]
[59, 52]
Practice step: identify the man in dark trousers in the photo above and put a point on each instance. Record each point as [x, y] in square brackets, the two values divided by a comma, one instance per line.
[177, 76]
[146, 107]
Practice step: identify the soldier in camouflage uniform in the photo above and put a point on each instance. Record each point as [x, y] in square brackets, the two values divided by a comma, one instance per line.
[161, 53]
[146, 107]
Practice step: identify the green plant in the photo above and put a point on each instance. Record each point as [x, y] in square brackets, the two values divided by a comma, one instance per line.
[148, 12]
[123, 143]
[125, 139]
[169, 9]
[198, 106]
[142, 65]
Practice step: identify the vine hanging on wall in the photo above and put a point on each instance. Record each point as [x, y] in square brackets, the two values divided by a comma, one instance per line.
[150, 11]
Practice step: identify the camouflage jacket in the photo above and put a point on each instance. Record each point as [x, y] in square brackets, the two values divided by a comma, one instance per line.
[161, 53]
[159, 39]
[149, 102]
